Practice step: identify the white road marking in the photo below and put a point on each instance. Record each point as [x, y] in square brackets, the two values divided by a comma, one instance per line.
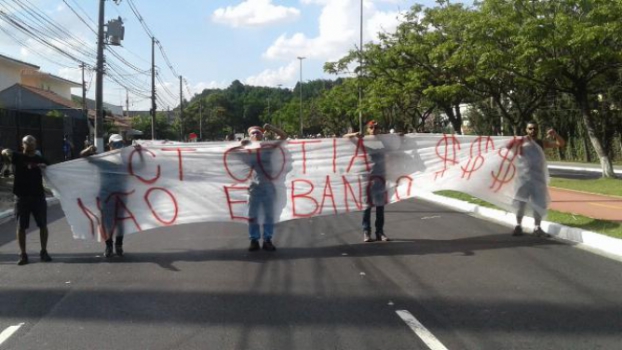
[7, 333]
[428, 338]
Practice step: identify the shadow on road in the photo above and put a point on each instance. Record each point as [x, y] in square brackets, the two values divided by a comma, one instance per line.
[282, 310]
[397, 247]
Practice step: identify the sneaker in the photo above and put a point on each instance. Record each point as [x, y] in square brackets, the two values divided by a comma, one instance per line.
[367, 237]
[45, 256]
[108, 251]
[267, 245]
[518, 231]
[118, 249]
[538, 232]
[254, 246]
[23, 259]
[382, 237]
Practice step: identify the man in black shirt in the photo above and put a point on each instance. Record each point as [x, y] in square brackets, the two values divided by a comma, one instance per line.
[29, 194]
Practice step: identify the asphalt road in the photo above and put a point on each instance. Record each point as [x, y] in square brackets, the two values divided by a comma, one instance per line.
[467, 281]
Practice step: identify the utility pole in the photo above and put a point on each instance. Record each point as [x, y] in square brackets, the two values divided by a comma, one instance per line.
[127, 103]
[360, 71]
[115, 34]
[301, 130]
[181, 108]
[153, 91]
[99, 86]
[84, 109]
[200, 120]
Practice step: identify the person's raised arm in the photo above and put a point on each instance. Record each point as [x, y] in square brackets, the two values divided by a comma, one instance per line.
[558, 143]
[352, 134]
[89, 151]
[280, 133]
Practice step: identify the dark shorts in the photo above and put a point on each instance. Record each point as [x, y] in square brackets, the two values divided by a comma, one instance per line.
[536, 194]
[37, 206]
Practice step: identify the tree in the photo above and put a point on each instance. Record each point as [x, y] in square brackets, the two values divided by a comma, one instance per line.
[573, 44]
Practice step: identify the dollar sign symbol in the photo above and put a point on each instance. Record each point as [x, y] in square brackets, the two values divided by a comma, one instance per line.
[507, 169]
[455, 146]
[479, 146]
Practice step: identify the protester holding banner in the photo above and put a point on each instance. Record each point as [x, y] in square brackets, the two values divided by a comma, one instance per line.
[262, 190]
[533, 177]
[377, 185]
[29, 194]
[113, 179]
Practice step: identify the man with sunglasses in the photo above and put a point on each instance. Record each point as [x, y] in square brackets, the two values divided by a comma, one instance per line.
[262, 190]
[532, 180]
[29, 195]
[376, 188]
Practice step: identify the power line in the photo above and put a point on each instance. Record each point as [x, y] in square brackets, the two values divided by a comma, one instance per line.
[80, 17]
[28, 47]
[39, 28]
[151, 35]
[140, 19]
[37, 38]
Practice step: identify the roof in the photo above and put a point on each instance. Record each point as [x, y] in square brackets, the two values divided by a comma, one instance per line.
[90, 104]
[52, 96]
[52, 76]
[15, 61]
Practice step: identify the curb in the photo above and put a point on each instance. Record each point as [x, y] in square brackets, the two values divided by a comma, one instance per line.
[592, 241]
[7, 215]
[594, 170]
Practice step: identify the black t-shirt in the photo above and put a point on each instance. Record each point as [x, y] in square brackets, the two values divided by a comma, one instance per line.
[28, 177]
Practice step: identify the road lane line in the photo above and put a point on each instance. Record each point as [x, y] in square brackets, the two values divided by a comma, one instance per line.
[428, 338]
[606, 205]
[7, 333]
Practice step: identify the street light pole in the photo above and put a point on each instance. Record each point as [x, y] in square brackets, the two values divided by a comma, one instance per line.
[360, 71]
[200, 120]
[301, 131]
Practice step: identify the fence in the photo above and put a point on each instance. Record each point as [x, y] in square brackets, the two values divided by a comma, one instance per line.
[48, 130]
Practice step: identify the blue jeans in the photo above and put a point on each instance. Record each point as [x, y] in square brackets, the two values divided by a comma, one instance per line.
[379, 219]
[261, 200]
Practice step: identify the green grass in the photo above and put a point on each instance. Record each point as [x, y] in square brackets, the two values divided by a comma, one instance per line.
[609, 228]
[601, 186]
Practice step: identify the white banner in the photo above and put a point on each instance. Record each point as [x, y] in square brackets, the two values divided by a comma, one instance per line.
[164, 184]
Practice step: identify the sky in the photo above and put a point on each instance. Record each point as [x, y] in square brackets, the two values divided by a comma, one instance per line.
[210, 43]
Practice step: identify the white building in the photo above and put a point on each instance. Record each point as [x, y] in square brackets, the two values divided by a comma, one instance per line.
[13, 71]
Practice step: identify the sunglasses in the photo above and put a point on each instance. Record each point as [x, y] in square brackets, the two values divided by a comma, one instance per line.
[256, 132]
[372, 127]
[532, 128]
